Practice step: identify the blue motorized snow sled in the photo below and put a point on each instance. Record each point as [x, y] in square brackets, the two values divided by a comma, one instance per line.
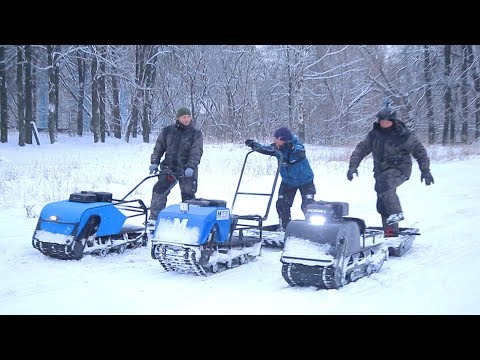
[203, 235]
[90, 222]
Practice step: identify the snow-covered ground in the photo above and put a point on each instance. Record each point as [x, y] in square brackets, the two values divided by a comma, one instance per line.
[438, 275]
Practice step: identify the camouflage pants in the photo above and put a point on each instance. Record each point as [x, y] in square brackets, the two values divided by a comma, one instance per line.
[386, 184]
[161, 190]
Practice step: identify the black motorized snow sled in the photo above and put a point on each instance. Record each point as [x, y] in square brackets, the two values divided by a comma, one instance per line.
[328, 249]
[90, 222]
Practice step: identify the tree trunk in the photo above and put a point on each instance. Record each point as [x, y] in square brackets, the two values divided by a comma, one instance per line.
[34, 89]
[95, 124]
[117, 122]
[81, 68]
[150, 75]
[132, 128]
[28, 94]
[447, 98]
[52, 116]
[428, 95]
[56, 77]
[102, 94]
[476, 86]
[301, 97]
[133, 124]
[3, 98]
[20, 97]
[464, 94]
[291, 90]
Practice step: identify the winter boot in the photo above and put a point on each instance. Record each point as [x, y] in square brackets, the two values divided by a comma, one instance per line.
[391, 230]
[395, 218]
[151, 223]
[283, 225]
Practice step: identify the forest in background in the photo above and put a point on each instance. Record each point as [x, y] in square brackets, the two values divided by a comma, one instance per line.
[327, 94]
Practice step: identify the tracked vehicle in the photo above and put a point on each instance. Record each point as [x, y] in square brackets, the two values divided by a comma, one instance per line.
[91, 222]
[202, 236]
[329, 250]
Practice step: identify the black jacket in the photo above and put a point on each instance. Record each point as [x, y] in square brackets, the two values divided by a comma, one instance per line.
[182, 146]
[391, 148]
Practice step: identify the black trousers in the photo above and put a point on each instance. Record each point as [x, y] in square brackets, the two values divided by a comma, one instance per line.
[286, 195]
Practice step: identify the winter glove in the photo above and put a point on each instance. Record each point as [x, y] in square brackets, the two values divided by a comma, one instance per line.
[249, 142]
[427, 176]
[188, 172]
[351, 170]
[153, 168]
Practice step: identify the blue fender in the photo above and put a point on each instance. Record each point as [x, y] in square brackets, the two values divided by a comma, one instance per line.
[70, 215]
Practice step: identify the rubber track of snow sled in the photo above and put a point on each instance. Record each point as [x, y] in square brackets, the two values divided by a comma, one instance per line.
[184, 260]
[359, 265]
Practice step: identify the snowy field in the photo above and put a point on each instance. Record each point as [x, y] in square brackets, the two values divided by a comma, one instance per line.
[438, 275]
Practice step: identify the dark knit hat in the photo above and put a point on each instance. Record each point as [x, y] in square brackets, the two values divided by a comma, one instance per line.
[183, 111]
[387, 113]
[283, 134]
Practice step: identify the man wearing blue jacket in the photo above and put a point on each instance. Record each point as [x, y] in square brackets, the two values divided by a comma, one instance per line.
[295, 171]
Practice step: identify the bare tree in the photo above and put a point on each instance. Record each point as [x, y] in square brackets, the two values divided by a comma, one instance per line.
[34, 65]
[20, 96]
[476, 86]
[327, 94]
[53, 91]
[117, 125]
[81, 69]
[428, 94]
[464, 94]
[150, 74]
[102, 93]
[95, 122]
[3, 98]
[137, 98]
[448, 109]
[28, 94]
[301, 94]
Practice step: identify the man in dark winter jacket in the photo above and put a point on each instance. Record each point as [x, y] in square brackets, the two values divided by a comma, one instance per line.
[392, 144]
[182, 145]
[295, 171]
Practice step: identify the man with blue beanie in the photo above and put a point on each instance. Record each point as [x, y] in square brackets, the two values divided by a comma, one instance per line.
[295, 171]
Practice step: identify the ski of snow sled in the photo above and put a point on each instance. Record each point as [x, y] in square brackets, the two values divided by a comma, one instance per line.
[272, 237]
[203, 236]
[90, 222]
[397, 245]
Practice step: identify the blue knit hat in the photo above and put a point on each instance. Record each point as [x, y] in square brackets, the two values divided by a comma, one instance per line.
[283, 134]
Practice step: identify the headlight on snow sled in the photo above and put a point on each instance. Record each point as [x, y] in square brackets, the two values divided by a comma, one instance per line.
[53, 218]
[317, 219]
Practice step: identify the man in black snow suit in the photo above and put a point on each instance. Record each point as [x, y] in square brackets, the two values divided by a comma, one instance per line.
[392, 144]
[182, 145]
[295, 170]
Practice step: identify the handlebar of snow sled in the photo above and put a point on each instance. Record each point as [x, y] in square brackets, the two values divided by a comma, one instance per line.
[279, 157]
[175, 178]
